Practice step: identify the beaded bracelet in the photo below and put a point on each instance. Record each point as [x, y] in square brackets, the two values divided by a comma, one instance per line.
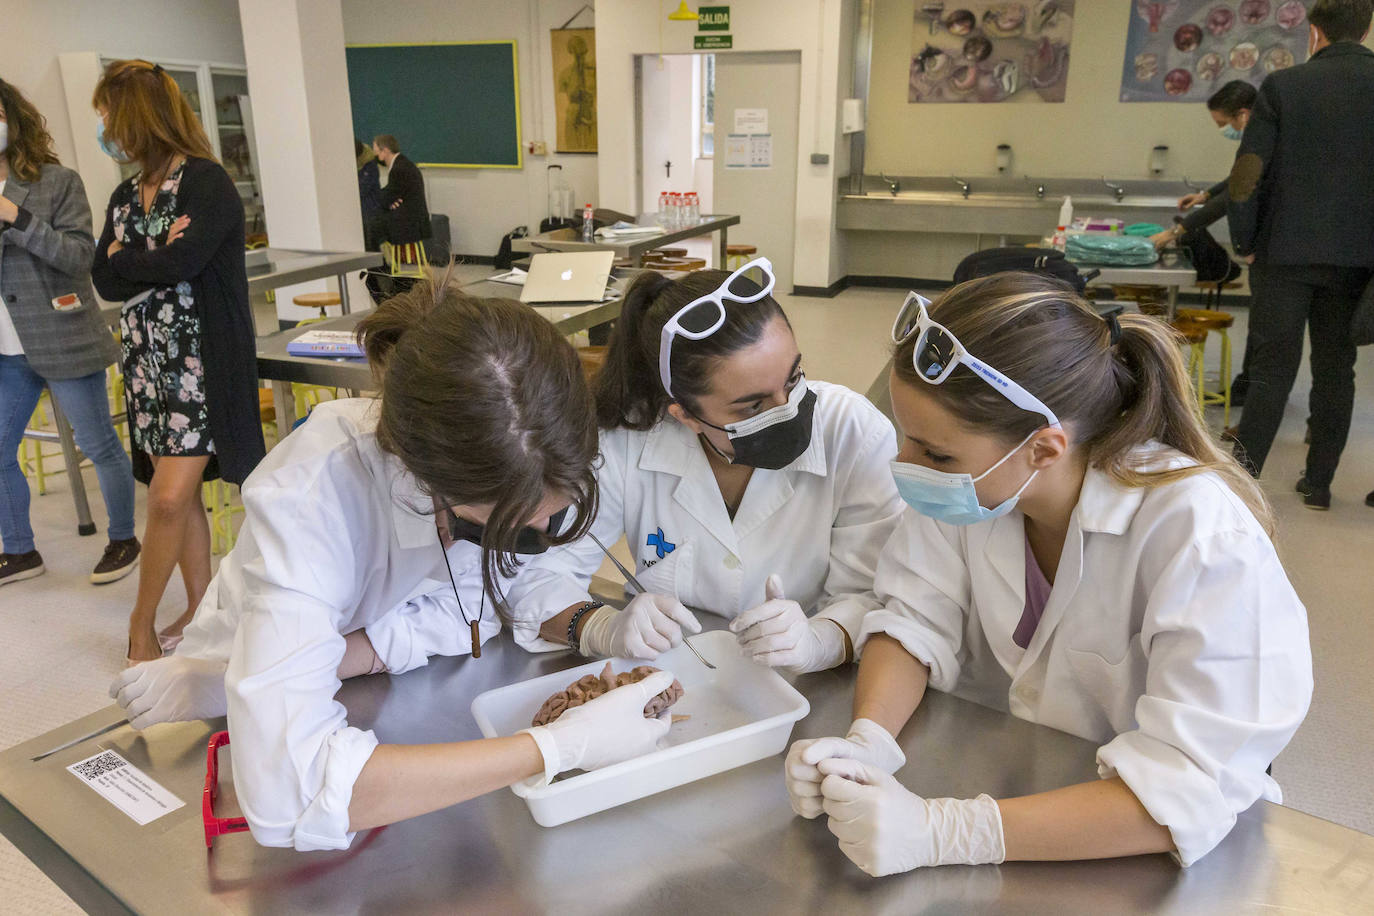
[573, 642]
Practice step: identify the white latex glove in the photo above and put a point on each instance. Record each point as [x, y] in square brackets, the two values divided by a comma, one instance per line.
[867, 742]
[778, 633]
[603, 731]
[649, 625]
[885, 829]
[176, 688]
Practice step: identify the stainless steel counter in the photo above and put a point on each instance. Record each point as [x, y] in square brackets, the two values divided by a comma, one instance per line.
[725, 844]
[571, 239]
[286, 266]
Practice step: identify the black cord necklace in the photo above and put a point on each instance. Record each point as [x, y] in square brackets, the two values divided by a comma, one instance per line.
[473, 625]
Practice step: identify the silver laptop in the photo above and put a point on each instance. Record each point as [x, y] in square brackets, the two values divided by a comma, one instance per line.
[572, 276]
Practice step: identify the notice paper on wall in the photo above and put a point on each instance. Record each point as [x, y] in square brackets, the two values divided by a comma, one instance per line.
[748, 151]
[125, 786]
[751, 121]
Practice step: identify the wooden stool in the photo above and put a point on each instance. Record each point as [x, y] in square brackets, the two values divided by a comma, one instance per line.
[736, 256]
[1196, 325]
[592, 359]
[407, 259]
[1211, 291]
[681, 265]
[320, 301]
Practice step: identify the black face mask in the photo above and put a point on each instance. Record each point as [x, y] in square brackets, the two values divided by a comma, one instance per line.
[775, 438]
[527, 543]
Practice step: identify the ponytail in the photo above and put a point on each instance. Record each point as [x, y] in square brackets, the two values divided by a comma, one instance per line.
[1159, 403]
[1117, 391]
[629, 391]
[629, 394]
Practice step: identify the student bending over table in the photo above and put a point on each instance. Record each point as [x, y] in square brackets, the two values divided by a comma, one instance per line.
[484, 426]
[1107, 572]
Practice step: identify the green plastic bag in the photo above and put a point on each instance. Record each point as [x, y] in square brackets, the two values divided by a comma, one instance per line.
[1143, 229]
[1111, 250]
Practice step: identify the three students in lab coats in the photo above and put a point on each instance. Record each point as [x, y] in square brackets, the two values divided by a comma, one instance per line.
[742, 487]
[1077, 552]
[376, 535]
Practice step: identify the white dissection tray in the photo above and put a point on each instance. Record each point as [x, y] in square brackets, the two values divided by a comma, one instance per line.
[740, 712]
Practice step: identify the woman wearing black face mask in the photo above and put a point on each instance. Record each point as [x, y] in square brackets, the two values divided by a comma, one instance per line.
[339, 571]
[744, 489]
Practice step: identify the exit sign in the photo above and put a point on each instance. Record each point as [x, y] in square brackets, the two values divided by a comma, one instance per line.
[713, 19]
[712, 42]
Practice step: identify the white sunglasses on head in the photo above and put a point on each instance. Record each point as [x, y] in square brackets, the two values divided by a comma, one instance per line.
[700, 318]
[938, 352]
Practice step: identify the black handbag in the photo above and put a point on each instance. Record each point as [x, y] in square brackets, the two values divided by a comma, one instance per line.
[1046, 261]
[1362, 325]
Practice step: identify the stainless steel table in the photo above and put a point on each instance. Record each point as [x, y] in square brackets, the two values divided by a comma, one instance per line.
[281, 368]
[725, 844]
[571, 239]
[286, 266]
[1171, 277]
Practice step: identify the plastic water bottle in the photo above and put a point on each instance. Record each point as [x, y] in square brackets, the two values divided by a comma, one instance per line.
[1061, 233]
[588, 230]
[693, 208]
[663, 209]
[675, 209]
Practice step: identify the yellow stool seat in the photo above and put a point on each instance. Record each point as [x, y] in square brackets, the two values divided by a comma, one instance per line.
[1195, 326]
[320, 301]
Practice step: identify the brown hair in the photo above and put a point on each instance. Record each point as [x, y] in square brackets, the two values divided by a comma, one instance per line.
[1039, 332]
[30, 145]
[1342, 20]
[387, 142]
[149, 119]
[484, 402]
[629, 392]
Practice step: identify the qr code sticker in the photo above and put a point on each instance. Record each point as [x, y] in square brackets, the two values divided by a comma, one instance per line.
[98, 765]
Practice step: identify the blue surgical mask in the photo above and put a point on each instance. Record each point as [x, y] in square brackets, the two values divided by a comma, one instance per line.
[110, 148]
[1231, 133]
[952, 498]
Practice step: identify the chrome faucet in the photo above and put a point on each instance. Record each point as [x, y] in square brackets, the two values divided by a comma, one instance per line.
[1039, 187]
[892, 185]
[1116, 189]
[1187, 183]
[963, 185]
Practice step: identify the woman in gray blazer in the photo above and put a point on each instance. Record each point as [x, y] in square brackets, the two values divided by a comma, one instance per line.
[51, 334]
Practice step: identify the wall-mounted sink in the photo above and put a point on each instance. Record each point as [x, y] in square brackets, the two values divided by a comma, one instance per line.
[1002, 206]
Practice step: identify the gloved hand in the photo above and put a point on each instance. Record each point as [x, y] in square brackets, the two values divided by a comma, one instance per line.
[867, 742]
[175, 688]
[885, 829]
[603, 731]
[778, 633]
[649, 625]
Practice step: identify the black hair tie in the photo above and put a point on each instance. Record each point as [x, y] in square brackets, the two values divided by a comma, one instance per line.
[157, 68]
[1114, 327]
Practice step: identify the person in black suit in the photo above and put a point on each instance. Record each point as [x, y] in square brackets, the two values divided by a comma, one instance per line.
[405, 216]
[1301, 194]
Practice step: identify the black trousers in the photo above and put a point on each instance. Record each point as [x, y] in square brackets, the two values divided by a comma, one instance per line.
[1287, 298]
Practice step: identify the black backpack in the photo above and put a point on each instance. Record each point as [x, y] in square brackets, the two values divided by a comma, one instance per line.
[505, 257]
[1036, 260]
[1210, 260]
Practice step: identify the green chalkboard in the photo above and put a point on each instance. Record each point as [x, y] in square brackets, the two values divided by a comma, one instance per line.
[450, 105]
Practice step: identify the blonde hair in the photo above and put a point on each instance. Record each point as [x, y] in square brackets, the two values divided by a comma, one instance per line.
[1115, 397]
[149, 119]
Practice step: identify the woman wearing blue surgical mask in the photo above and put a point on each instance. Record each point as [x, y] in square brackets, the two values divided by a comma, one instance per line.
[744, 488]
[1078, 553]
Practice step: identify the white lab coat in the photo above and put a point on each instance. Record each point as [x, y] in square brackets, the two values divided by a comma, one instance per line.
[819, 523]
[337, 537]
[1172, 636]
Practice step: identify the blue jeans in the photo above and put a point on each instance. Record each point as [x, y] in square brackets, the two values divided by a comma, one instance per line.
[84, 402]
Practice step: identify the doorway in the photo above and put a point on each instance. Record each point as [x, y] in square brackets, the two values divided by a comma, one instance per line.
[687, 113]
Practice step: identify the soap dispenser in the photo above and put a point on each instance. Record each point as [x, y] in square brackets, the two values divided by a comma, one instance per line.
[1003, 158]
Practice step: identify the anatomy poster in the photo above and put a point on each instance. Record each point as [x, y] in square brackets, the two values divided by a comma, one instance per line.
[990, 51]
[1184, 50]
[574, 83]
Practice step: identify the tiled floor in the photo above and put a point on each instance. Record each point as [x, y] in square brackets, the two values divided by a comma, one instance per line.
[59, 623]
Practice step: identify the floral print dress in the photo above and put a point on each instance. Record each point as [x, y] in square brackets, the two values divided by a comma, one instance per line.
[164, 380]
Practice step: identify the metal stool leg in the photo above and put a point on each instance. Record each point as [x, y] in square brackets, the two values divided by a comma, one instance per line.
[84, 525]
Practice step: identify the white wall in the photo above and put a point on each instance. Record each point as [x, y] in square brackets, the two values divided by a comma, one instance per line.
[629, 27]
[668, 102]
[34, 32]
[484, 204]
